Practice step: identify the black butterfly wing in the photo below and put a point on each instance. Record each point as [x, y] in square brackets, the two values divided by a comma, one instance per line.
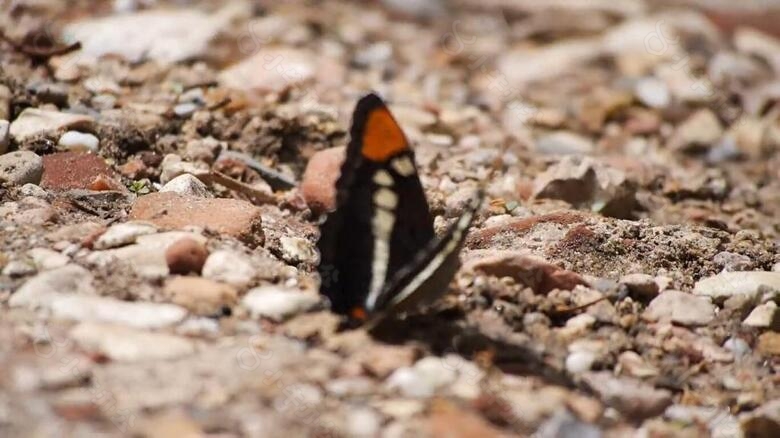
[426, 277]
[381, 220]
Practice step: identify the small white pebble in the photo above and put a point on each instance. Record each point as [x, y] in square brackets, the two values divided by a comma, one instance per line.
[579, 361]
[78, 141]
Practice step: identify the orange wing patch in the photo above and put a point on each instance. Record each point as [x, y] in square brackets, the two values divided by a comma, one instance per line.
[382, 137]
[358, 314]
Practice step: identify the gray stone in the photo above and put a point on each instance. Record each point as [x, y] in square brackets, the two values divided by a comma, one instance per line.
[33, 190]
[737, 346]
[123, 234]
[681, 308]
[631, 397]
[188, 185]
[173, 166]
[564, 143]
[727, 284]
[564, 424]
[21, 167]
[733, 262]
[581, 181]
[5, 137]
[5, 102]
[700, 131]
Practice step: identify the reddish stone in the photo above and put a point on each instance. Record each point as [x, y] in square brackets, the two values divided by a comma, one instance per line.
[319, 180]
[534, 272]
[185, 256]
[730, 19]
[232, 217]
[134, 169]
[450, 420]
[78, 170]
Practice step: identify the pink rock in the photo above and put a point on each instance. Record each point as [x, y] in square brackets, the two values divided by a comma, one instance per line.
[232, 217]
[534, 272]
[319, 179]
[185, 256]
[78, 170]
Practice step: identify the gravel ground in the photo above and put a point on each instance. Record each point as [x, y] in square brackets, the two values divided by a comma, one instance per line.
[164, 166]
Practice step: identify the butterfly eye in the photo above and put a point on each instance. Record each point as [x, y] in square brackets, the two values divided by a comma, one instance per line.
[358, 313]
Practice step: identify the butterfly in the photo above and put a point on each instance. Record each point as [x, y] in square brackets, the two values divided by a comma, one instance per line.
[379, 255]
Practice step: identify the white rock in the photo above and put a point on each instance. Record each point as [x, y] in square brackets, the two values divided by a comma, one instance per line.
[33, 121]
[759, 44]
[681, 308]
[363, 422]
[580, 361]
[229, 267]
[525, 65]
[147, 256]
[271, 69]
[33, 190]
[18, 268]
[410, 383]
[120, 343]
[78, 141]
[4, 135]
[349, 386]
[185, 109]
[21, 167]
[564, 143]
[123, 234]
[69, 279]
[110, 310]
[737, 346]
[653, 92]
[165, 36]
[277, 303]
[173, 166]
[701, 129]
[577, 325]
[436, 371]
[198, 327]
[188, 185]
[423, 378]
[727, 284]
[764, 316]
[297, 250]
[46, 259]
[400, 408]
[426, 9]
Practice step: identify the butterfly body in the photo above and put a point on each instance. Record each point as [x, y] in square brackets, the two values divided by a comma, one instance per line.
[380, 240]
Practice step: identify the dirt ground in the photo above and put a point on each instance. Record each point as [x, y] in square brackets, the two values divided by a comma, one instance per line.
[158, 222]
